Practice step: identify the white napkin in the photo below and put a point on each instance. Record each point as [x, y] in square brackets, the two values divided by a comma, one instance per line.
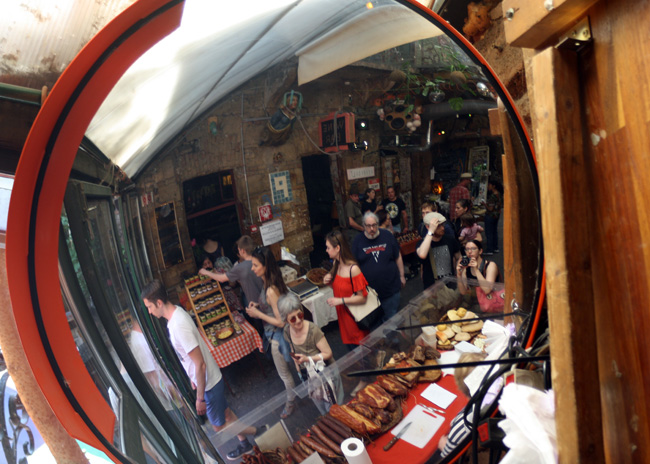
[438, 395]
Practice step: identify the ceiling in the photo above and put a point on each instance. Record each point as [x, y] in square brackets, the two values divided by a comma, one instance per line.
[182, 77]
[218, 47]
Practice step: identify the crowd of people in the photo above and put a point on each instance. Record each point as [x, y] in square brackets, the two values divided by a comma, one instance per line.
[365, 254]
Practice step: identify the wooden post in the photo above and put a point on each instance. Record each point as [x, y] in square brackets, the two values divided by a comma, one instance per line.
[563, 186]
[512, 240]
[62, 446]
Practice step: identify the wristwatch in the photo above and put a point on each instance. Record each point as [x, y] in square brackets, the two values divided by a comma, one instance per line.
[430, 234]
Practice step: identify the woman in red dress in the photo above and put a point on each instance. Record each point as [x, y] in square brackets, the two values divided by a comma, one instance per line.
[345, 291]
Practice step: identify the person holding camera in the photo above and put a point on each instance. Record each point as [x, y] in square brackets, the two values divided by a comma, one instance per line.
[438, 252]
[473, 269]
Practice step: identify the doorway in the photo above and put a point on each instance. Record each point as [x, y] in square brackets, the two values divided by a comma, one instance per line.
[212, 210]
[320, 202]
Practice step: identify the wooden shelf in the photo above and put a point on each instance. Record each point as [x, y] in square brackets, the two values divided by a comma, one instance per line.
[216, 290]
[214, 319]
[197, 283]
[207, 308]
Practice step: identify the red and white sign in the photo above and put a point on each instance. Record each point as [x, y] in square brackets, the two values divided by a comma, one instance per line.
[373, 184]
[265, 212]
[146, 198]
[254, 229]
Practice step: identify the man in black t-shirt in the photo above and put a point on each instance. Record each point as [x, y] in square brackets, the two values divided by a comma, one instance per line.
[439, 253]
[396, 209]
[378, 255]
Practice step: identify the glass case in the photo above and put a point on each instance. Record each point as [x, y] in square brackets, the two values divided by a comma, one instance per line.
[421, 334]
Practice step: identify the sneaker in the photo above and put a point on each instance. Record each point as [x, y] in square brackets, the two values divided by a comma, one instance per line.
[242, 448]
[261, 429]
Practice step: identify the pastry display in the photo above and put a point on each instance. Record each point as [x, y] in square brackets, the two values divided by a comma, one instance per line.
[454, 329]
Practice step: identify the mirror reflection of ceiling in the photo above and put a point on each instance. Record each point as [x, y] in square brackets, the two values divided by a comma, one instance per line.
[221, 45]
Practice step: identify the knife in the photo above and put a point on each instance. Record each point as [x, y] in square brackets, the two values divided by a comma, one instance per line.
[397, 437]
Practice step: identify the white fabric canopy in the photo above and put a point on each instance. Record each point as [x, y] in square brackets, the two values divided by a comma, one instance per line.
[221, 45]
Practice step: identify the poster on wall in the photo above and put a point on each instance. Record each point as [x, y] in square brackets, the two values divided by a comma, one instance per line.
[272, 232]
[281, 187]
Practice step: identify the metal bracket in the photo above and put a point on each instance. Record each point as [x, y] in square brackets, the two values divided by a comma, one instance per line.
[577, 38]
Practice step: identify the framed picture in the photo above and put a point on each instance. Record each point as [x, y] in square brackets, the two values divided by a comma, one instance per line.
[168, 235]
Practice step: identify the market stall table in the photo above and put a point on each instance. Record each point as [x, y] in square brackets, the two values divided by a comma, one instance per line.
[237, 346]
[403, 451]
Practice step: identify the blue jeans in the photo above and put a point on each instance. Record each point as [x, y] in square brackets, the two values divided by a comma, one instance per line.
[390, 306]
[491, 234]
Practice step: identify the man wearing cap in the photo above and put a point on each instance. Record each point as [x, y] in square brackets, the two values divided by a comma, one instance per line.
[459, 192]
[353, 214]
[439, 252]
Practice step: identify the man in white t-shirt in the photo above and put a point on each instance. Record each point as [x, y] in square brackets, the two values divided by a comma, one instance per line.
[198, 363]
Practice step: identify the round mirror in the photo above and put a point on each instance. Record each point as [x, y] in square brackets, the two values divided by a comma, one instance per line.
[287, 108]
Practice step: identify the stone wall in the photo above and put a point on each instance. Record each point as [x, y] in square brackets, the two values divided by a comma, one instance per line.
[242, 119]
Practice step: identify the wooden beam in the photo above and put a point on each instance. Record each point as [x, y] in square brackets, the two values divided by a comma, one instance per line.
[529, 24]
[565, 218]
[512, 240]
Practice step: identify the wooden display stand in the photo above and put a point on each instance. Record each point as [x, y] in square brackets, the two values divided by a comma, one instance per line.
[213, 316]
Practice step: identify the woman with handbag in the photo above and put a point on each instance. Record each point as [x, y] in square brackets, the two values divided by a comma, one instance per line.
[309, 347]
[481, 274]
[266, 267]
[349, 286]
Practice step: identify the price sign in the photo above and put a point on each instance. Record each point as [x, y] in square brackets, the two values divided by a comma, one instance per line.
[272, 232]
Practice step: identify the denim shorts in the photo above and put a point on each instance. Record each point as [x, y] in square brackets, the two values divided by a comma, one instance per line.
[215, 404]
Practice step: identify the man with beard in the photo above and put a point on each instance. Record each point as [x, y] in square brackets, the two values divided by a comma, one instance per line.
[378, 255]
[439, 252]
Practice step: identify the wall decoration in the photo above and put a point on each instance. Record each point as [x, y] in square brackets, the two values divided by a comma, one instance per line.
[281, 187]
[279, 127]
[265, 212]
[360, 173]
[335, 137]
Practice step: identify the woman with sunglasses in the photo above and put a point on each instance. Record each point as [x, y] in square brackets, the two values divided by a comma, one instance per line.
[266, 267]
[478, 271]
[348, 285]
[307, 341]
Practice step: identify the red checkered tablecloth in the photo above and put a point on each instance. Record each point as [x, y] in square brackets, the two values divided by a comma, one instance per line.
[237, 346]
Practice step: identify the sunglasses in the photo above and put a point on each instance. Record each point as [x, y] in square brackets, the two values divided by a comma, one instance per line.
[298, 317]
